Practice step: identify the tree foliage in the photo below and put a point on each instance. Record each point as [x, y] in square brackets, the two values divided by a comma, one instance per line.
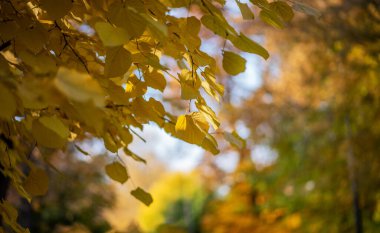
[76, 197]
[71, 69]
[320, 113]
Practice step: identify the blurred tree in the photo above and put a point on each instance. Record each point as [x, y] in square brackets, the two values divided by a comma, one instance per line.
[179, 205]
[76, 199]
[247, 208]
[319, 109]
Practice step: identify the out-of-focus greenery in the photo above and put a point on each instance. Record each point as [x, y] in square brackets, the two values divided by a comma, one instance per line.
[321, 112]
[178, 205]
[76, 199]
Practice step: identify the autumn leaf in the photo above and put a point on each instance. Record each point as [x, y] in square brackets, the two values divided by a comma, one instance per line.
[142, 196]
[37, 182]
[117, 172]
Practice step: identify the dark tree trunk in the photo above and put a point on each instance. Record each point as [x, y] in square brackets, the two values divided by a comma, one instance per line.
[4, 184]
[354, 180]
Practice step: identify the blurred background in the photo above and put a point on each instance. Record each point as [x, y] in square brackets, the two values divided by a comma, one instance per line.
[310, 116]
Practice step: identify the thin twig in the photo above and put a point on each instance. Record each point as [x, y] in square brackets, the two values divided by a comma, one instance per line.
[135, 133]
[71, 48]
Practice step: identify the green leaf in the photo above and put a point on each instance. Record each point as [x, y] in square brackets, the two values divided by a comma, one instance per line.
[117, 172]
[118, 61]
[110, 35]
[233, 63]
[142, 196]
[247, 45]
[245, 10]
[37, 182]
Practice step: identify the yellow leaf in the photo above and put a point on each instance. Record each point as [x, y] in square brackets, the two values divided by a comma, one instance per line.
[146, 111]
[247, 45]
[218, 24]
[212, 86]
[7, 103]
[110, 143]
[155, 80]
[192, 25]
[42, 64]
[117, 172]
[208, 113]
[34, 38]
[55, 9]
[190, 28]
[148, 59]
[110, 35]
[209, 143]
[158, 29]
[215, 25]
[187, 130]
[245, 11]
[8, 30]
[282, 9]
[118, 61]
[235, 139]
[261, 3]
[177, 3]
[201, 58]
[134, 87]
[127, 19]
[134, 156]
[50, 132]
[200, 120]
[233, 63]
[142, 196]
[37, 182]
[8, 212]
[80, 87]
[190, 84]
[125, 135]
[271, 18]
[306, 9]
